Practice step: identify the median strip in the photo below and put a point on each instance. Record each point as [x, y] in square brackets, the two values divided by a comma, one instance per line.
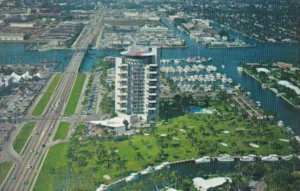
[75, 95]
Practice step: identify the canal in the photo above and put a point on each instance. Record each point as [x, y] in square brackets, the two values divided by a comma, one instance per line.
[190, 170]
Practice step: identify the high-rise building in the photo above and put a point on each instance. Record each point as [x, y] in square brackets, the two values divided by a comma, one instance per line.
[137, 83]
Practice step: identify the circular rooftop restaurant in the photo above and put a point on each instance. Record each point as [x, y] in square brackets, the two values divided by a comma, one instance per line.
[137, 51]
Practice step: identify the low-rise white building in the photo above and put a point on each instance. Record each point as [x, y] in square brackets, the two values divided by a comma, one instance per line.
[113, 125]
[148, 28]
[22, 25]
[289, 85]
[205, 185]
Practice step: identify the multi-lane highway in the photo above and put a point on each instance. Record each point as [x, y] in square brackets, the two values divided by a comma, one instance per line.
[24, 174]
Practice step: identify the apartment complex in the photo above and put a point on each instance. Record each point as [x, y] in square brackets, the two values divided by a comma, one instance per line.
[137, 83]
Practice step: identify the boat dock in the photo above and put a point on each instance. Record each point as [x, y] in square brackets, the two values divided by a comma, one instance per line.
[221, 159]
[248, 105]
[44, 65]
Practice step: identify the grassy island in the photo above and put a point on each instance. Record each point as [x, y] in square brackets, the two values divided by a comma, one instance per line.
[75, 95]
[281, 78]
[62, 131]
[4, 169]
[23, 136]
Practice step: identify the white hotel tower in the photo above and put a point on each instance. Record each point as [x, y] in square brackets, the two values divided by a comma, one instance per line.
[137, 83]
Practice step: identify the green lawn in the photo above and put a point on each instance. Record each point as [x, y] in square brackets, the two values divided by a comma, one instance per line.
[4, 168]
[75, 95]
[54, 164]
[23, 135]
[62, 131]
[39, 109]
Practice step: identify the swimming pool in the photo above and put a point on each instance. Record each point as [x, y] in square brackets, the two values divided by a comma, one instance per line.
[197, 110]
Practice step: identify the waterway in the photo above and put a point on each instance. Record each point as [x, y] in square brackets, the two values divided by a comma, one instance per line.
[232, 57]
[17, 53]
[190, 170]
[11, 53]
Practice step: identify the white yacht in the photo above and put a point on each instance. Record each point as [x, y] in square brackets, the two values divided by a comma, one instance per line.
[280, 124]
[258, 103]
[225, 158]
[177, 61]
[102, 187]
[229, 80]
[161, 166]
[205, 159]
[272, 157]
[240, 69]
[132, 177]
[287, 158]
[248, 158]
[148, 170]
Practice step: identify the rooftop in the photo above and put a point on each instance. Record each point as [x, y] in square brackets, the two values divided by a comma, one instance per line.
[204, 185]
[116, 122]
[137, 51]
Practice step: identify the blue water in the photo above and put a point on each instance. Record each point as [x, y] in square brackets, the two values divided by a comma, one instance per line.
[93, 55]
[17, 53]
[197, 110]
[231, 58]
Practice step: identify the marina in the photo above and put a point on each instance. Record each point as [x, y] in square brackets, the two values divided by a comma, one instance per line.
[194, 72]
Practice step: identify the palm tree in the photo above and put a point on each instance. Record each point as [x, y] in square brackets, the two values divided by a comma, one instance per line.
[138, 156]
[175, 176]
[152, 126]
[126, 123]
[122, 165]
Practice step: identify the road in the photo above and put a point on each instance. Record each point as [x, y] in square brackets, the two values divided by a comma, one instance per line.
[24, 174]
